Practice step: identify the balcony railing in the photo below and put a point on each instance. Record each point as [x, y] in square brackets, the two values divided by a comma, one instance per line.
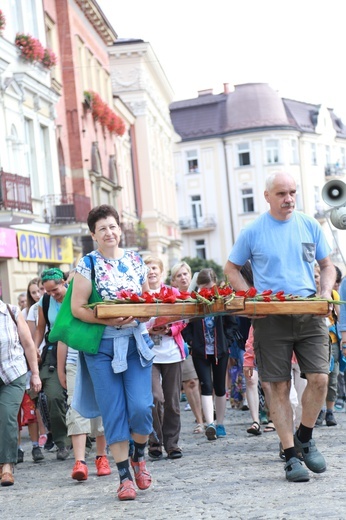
[334, 169]
[189, 223]
[134, 237]
[15, 192]
[66, 209]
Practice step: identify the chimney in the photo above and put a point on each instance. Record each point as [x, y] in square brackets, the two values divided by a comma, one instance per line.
[226, 88]
[205, 92]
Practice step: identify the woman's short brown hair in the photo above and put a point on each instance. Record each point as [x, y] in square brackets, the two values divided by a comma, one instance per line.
[100, 212]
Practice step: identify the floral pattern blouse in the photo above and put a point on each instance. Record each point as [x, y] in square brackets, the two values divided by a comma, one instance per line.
[112, 276]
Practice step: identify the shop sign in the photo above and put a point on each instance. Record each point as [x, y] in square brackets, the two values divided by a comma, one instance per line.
[8, 243]
[36, 247]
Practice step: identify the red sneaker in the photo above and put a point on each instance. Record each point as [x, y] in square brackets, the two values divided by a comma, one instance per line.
[80, 471]
[142, 475]
[126, 490]
[102, 466]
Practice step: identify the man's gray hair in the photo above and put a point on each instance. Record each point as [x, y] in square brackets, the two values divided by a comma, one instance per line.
[271, 179]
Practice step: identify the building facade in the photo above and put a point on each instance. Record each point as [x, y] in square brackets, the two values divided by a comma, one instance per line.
[65, 141]
[138, 78]
[230, 143]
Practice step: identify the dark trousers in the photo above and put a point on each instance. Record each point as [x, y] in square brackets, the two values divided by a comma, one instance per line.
[166, 386]
[56, 398]
[211, 374]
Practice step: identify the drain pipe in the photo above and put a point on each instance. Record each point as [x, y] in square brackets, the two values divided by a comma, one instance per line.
[228, 190]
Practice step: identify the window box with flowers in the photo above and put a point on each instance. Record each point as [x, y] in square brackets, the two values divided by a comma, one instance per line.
[30, 48]
[2, 22]
[49, 59]
[102, 113]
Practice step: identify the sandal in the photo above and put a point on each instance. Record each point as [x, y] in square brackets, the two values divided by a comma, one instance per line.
[155, 454]
[199, 429]
[270, 427]
[175, 454]
[255, 429]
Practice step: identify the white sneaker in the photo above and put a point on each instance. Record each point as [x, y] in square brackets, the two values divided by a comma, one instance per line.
[187, 407]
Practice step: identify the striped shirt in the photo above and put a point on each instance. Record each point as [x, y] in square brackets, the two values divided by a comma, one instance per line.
[12, 358]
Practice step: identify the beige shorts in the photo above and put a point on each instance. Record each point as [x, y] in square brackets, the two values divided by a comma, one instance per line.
[76, 424]
[189, 371]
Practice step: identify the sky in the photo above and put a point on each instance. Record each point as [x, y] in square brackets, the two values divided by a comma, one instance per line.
[297, 46]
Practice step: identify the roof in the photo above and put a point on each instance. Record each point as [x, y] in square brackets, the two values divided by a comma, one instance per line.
[250, 107]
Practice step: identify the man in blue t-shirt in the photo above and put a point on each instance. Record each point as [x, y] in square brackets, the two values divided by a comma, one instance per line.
[283, 246]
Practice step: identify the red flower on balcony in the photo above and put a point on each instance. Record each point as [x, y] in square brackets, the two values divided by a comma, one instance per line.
[49, 59]
[30, 48]
[2, 21]
[102, 113]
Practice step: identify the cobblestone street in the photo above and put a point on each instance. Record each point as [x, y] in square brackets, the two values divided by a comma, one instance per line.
[238, 477]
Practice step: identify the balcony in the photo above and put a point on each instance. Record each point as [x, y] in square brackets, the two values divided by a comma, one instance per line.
[134, 236]
[66, 209]
[15, 192]
[334, 170]
[189, 224]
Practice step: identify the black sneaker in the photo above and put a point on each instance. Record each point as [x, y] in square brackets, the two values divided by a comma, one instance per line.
[37, 454]
[20, 456]
[330, 419]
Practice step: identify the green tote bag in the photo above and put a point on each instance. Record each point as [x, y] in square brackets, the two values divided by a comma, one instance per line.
[78, 334]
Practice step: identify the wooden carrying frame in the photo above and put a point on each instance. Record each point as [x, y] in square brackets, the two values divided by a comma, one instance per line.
[238, 306]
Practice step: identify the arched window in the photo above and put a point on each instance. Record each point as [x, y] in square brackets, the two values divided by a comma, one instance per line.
[113, 174]
[96, 159]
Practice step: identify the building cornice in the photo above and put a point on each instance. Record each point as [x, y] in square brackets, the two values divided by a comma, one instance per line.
[98, 20]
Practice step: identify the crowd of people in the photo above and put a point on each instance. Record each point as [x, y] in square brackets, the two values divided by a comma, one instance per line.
[289, 369]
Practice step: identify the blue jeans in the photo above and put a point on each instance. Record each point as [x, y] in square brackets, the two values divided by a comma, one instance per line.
[125, 399]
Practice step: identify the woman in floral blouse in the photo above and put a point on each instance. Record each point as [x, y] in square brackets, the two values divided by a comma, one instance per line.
[120, 373]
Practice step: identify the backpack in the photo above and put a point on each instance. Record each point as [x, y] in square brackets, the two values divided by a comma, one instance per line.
[49, 351]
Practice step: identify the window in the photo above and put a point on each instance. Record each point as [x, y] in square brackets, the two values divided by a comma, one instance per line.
[243, 154]
[196, 208]
[248, 202]
[272, 151]
[200, 249]
[14, 155]
[52, 43]
[30, 156]
[192, 161]
[113, 176]
[328, 159]
[46, 182]
[313, 154]
[96, 165]
[342, 158]
[30, 17]
[299, 200]
[294, 152]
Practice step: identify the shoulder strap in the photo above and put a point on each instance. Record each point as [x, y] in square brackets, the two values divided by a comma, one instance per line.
[45, 307]
[92, 266]
[11, 313]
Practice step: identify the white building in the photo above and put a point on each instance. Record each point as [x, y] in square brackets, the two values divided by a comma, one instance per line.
[230, 143]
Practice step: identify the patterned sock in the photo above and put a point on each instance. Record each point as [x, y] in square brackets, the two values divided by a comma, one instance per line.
[138, 454]
[124, 470]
